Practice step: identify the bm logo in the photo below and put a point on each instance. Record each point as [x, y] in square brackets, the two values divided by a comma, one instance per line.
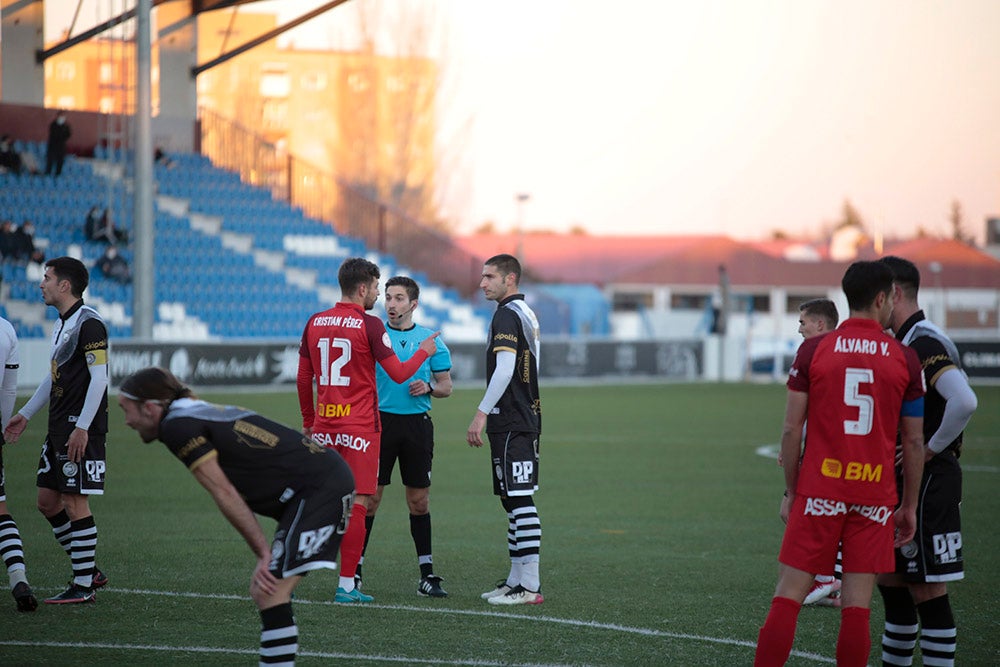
[334, 410]
[853, 471]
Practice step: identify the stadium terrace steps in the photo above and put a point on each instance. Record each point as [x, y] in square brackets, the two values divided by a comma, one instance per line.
[231, 262]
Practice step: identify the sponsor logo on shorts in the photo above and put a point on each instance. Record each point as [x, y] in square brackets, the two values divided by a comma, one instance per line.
[69, 469]
[311, 541]
[947, 548]
[823, 507]
[522, 471]
[852, 471]
[95, 470]
[909, 550]
[345, 440]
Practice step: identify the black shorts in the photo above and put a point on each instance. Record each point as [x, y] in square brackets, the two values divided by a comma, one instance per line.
[410, 439]
[935, 554]
[312, 526]
[515, 463]
[57, 472]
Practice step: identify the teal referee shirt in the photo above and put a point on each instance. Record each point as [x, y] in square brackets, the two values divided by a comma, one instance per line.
[394, 397]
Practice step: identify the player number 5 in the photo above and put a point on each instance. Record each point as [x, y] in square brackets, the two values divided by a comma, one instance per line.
[853, 396]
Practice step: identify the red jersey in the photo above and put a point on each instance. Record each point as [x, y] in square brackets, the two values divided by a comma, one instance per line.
[339, 349]
[857, 378]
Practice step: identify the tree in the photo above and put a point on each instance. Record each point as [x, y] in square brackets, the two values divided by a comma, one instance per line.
[850, 217]
[388, 108]
[957, 221]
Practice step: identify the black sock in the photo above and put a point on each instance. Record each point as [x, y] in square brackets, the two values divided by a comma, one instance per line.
[420, 531]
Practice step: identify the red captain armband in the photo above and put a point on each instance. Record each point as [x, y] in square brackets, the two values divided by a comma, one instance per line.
[914, 408]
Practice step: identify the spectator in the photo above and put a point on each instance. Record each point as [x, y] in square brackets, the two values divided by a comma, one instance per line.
[25, 249]
[10, 160]
[99, 227]
[160, 157]
[7, 241]
[114, 266]
[55, 151]
[29, 162]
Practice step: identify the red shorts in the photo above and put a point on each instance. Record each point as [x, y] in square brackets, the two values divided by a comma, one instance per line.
[816, 526]
[361, 451]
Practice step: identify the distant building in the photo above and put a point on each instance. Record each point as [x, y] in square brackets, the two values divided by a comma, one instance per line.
[365, 118]
[666, 286]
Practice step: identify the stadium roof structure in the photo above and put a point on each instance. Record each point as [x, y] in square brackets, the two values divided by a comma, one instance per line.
[695, 260]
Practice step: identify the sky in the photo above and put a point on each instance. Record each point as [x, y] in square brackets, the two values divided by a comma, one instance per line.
[736, 117]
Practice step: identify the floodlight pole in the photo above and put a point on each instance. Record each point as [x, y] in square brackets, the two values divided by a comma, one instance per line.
[143, 297]
[520, 198]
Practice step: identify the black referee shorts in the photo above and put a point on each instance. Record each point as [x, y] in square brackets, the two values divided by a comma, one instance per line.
[410, 440]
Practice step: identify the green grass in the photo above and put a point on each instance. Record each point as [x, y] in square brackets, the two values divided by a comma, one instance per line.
[660, 536]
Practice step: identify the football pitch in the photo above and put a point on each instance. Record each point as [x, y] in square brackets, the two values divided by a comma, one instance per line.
[660, 534]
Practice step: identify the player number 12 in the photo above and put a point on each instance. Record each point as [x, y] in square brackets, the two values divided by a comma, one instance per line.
[330, 374]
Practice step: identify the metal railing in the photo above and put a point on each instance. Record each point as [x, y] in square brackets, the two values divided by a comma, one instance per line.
[323, 196]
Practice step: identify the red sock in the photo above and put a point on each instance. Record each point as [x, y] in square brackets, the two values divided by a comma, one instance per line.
[774, 643]
[353, 542]
[854, 641]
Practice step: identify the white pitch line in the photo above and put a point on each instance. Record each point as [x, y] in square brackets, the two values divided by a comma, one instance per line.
[594, 625]
[243, 651]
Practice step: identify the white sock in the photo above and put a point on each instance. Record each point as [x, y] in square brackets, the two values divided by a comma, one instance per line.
[514, 578]
[16, 576]
[347, 583]
[529, 576]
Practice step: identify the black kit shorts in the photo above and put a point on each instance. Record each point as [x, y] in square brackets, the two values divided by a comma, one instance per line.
[515, 463]
[311, 527]
[83, 477]
[935, 554]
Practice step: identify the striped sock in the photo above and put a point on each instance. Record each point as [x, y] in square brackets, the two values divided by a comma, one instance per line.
[528, 533]
[279, 636]
[900, 635]
[62, 528]
[938, 635]
[82, 551]
[11, 549]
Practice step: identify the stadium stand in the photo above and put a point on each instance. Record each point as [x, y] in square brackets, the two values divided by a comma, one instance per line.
[231, 262]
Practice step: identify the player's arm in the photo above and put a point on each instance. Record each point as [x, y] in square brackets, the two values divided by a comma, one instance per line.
[8, 390]
[911, 432]
[960, 403]
[15, 427]
[502, 374]
[796, 408]
[304, 386]
[232, 505]
[94, 339]
[441, 384]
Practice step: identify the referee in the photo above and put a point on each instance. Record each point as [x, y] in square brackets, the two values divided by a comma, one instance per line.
[407, 430]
